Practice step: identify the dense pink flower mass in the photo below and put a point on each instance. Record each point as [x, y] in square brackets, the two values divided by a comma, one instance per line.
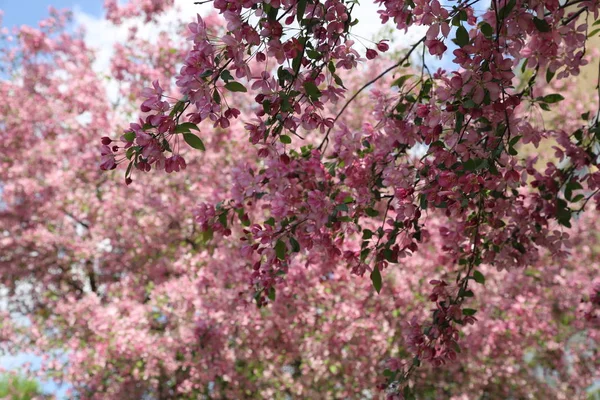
[305, 215]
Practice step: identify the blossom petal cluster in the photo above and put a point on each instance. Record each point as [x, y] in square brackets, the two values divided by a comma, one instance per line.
[354, 221]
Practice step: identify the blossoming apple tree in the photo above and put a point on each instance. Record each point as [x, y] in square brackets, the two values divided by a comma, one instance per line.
[289, 161]
[358, 196]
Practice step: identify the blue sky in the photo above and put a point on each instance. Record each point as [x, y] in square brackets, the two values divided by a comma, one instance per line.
[29, 12]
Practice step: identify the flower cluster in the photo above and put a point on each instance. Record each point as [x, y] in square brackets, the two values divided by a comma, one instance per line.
[428, 183]
[326, 189]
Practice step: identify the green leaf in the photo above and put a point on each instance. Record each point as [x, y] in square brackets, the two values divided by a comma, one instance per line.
[456, 20]
[331, 67]
[371, 212]
[297, 62]
[226, 76]
[295, 245]
[128, 171]
[423, 203]
[206, 73]
[573, 185]
[520, 247]
[130, 152]
[594, 32]
[338, 80]
[223, 219]
[235, 87]
[388, 373]
[478, 277]
[544, 106]
[367, 234]
[468, 311]
[194, 141]
[313, 54]
[270, 221]
[285, 139]
[300, 9]
[207, 235]
[243, 217]
[541, 24]
[552, 98]
[505, 11]
[456, 347]
[514, 140]
[166, 146]
[312, 90]
[342, 207]
[271, 294]
[280, 249]
[469, 103]
[376, 279]
[475, 164]
[577, 198]
[402, 80]
[563, 215]
[129, 136]
[408, 394]
[179, 106]
[217, 97]
[460, 118]
[462, 36]
[364, 254]
[486, 29]
[470, 164]
[186, 127]
[272, 13]
[388, 255]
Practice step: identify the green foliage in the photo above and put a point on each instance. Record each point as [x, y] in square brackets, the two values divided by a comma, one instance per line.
[235, 87]
[18, 388]
[194, 141]
[376, 279]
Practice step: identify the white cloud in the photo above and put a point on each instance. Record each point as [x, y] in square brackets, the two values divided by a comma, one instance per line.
[102, 35]
[369, 25]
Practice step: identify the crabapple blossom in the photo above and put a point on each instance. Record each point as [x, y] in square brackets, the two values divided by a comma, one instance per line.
[366, 200]
[306, 215]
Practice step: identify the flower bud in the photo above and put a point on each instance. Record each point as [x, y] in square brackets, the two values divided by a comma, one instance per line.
[383, 46]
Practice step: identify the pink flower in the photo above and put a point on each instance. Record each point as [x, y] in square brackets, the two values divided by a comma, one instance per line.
[436, 47]
[175, 163]
[107, 161]
[383, 46]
